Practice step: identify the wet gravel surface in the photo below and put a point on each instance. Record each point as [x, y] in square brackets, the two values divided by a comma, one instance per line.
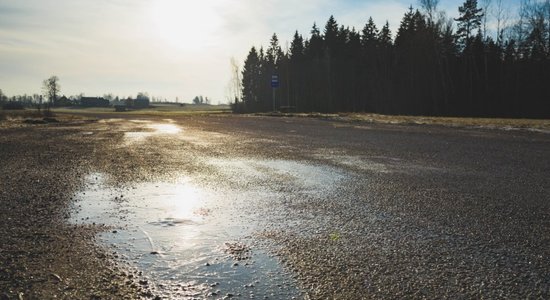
[41, 256]
[403, 212]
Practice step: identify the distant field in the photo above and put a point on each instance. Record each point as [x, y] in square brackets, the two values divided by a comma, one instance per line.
[155, 108]
[190, 107]
[69, 113]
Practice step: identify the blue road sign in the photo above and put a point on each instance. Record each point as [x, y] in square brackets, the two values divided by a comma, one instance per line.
[274, 81]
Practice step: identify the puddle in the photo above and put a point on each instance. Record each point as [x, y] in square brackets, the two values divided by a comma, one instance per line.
[190, 241]
[164, 128]
[293, 195]
[278, 173]
[151, 129]
[140, 130]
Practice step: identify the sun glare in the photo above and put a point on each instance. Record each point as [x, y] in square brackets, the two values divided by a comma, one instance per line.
[187, 25]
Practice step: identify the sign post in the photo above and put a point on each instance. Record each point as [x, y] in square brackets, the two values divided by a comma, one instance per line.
[274, 86]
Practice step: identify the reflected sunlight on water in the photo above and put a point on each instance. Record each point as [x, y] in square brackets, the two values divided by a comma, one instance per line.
[151, 129]
[179, 231]
[165, 128]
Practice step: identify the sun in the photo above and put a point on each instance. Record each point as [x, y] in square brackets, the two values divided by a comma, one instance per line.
[184, 24]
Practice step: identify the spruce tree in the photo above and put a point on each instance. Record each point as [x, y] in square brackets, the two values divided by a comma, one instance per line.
[369, 35]
[384, 37]
[331, 33]
[315, 44]
[297, 47]
[251, 75]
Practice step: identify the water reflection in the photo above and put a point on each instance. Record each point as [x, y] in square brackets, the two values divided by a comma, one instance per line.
[164, 128]
[184, 237]
[151, 129]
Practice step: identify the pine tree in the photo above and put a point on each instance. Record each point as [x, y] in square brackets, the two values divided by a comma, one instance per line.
[274, 53]
[469, 20]
[537, 41]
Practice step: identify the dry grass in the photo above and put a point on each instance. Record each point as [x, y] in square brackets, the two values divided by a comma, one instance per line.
[32, 114]
[497, 123]
[494, 123]
[20, 114]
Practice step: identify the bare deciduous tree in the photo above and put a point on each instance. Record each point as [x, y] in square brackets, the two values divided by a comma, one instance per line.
[486, 6]
[234, 88]
[430, 8]
[51, 89]
[502, 15]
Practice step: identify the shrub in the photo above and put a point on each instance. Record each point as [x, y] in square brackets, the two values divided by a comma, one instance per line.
[238, 108]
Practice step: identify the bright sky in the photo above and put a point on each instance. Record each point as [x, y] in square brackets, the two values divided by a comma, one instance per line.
[168, 48]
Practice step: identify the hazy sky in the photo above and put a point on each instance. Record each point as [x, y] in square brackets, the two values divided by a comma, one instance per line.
[168, 48]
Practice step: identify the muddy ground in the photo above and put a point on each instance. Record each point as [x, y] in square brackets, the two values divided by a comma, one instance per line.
[419, 211]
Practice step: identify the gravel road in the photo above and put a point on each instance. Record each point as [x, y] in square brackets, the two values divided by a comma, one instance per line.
[361, 211]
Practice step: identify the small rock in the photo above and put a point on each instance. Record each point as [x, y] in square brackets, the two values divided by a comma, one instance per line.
[147, 294]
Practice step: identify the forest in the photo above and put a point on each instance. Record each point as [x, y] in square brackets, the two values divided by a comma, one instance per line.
[487, 62]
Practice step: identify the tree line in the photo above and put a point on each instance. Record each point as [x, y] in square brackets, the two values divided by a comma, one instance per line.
[435, 65]
[51, 96]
